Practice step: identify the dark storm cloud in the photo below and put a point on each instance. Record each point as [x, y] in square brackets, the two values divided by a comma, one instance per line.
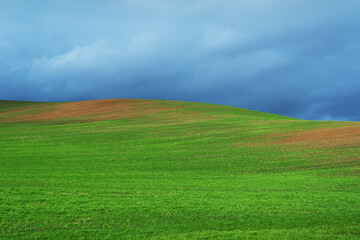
[296, 58]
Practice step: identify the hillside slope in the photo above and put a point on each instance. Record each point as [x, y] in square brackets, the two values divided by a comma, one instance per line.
[110, 109]
[152, 169]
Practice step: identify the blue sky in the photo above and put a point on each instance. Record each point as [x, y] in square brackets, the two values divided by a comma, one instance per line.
[299, 58]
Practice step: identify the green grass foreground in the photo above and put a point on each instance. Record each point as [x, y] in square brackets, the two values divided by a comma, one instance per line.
[150, 169]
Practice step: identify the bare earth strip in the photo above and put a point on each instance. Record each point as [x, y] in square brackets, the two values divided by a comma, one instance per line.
[94, 110]
[326, 137]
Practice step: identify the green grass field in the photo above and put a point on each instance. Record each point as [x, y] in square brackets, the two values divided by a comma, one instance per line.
[151, 169]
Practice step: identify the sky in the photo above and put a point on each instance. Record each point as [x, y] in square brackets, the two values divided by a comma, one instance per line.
[299, 58]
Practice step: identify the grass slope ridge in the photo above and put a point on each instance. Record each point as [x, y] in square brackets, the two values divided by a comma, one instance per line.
[152, 169]
[108, 109]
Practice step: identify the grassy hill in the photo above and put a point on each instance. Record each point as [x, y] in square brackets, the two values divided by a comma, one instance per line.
[151, 169]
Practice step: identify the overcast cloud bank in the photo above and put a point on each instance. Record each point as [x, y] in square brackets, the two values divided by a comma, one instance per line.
[295, 58]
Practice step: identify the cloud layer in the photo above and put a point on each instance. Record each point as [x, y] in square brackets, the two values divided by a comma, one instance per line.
[295, 58]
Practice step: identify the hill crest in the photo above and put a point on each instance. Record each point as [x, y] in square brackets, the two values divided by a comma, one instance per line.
[111, 109]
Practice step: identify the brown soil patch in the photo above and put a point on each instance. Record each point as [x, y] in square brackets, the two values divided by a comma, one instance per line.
[86, 110]
[94, 110]
[97, 110]
[341, 136]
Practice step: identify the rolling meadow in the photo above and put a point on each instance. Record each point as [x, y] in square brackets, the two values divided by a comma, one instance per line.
[154, 169]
